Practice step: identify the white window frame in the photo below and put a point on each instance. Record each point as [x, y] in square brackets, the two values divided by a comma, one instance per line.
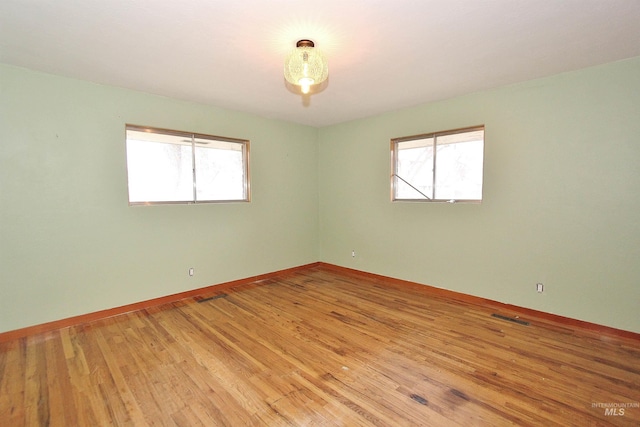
[191, 139]
[423, 195]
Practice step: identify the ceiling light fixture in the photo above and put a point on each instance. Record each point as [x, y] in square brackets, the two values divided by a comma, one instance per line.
[306, 66]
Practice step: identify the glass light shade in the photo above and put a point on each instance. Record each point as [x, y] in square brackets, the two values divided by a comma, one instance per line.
[306, 66]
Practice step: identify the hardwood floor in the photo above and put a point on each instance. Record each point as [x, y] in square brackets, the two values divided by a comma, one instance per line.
[319, 348]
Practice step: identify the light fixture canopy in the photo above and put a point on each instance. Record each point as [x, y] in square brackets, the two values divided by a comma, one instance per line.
[306, 66]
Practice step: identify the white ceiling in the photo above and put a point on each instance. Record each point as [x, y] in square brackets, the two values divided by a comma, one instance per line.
[383, 54]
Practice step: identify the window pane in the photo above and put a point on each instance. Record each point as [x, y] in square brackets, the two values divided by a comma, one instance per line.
[459, 170]
[414, 168]
[159, 168]
[219, 171]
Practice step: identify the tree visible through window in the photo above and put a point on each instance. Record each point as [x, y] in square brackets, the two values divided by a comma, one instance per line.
[442, 166]
[178, 167]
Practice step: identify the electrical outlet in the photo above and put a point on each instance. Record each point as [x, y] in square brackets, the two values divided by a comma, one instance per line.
[353, 254]
[539, 288]
[191, 271]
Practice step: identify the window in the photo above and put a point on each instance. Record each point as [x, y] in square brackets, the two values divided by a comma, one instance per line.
[438, 167]
[165, 166]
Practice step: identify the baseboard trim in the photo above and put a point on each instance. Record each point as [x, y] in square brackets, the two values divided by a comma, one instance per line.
[566, 322]
[103, 314]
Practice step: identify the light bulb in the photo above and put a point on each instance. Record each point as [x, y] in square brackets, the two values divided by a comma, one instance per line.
[306, 83]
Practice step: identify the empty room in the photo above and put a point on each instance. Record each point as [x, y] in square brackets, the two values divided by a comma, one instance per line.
[347, 213]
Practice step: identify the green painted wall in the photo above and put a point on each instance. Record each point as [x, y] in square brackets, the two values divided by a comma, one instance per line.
[69, 242]
[561, 197]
